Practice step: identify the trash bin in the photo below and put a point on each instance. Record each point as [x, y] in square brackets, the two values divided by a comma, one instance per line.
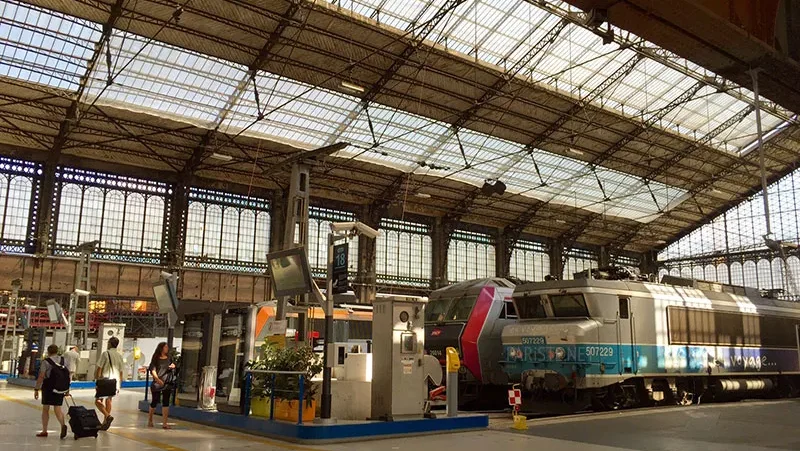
[208, 393]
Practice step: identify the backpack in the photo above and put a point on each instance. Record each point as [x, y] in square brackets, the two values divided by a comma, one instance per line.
[59, 378]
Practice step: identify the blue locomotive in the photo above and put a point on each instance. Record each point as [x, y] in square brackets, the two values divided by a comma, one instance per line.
[625, 343]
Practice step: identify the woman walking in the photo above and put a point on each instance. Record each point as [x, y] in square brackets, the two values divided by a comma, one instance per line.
[53, 382]
[162, 369]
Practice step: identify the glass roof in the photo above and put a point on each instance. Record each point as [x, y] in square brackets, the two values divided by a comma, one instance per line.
[53, 49]
[502, 31]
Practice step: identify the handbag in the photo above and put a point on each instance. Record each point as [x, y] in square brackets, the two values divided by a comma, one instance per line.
[106, 387]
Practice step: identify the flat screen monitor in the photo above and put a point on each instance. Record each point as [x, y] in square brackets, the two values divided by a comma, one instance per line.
[291, 275]
[165, 295]
[54, 311]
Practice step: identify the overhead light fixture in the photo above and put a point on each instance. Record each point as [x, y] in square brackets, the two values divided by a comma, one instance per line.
[423, 195]
[493, 187]
[715, 190]
[661, 242]
[221, 157]
[561, 221]
[352, 87]
[574, 151]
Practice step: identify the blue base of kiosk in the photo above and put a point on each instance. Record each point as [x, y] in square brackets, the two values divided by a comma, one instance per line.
[312, 433]
[75, 385]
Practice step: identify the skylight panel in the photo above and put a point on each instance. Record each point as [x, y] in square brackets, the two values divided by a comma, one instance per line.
[43, 47]
[165, 80]
[293, 112]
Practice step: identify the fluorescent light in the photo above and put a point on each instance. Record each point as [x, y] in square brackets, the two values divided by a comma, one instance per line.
[661, 242]
[715, 191]
[352, 86]
[574, 151]
[423, 195]
[221, 157]
[561, 221]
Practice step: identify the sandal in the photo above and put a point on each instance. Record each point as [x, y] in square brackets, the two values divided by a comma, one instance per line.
[166, 426]
[42, 434]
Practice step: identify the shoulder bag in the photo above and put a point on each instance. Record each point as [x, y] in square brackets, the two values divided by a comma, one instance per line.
[106, 386]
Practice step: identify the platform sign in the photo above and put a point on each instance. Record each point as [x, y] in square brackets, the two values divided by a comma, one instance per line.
[515, 397]
[340, 254]
[276, 327]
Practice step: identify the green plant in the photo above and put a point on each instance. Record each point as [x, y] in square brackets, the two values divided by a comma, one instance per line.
[286, 386]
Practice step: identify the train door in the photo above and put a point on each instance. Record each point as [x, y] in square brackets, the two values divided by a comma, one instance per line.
[626, 337]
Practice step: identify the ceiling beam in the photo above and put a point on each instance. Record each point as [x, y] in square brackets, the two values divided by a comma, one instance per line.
[417, 38]
[73, 114]
[650, 122]
[666, 58]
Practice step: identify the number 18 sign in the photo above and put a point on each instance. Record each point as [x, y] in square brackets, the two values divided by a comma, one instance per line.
[340, 268]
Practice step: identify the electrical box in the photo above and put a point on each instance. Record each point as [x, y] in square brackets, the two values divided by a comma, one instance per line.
[398, 348]
[108, 330]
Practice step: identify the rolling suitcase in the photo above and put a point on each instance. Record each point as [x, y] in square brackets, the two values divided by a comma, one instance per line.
[82, 421]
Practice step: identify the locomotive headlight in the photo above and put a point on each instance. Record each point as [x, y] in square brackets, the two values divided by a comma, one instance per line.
[561, 354]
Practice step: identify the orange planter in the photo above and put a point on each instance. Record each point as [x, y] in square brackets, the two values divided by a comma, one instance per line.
[288, 410]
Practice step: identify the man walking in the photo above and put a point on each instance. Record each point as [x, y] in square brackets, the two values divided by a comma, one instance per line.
[109, 367]
[71, 358]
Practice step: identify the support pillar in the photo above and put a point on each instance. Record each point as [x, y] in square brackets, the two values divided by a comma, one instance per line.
[603, 257]
[277, 212]
[502, 254]
[44, 212]
[176, 231]
[367, 276]
[440, 243]
[649, 263]
[557, 259]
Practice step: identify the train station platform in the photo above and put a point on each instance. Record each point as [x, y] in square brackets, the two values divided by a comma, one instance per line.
[768, 425]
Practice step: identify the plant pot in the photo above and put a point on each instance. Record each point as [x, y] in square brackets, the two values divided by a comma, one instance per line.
[259, 407]
[287, 410]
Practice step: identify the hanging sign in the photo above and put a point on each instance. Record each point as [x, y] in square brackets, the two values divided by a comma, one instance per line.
[340, 252]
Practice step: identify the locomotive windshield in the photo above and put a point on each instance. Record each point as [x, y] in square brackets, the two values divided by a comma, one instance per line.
[530, 307]
[568, 305]
[449, 309]
[436, 310]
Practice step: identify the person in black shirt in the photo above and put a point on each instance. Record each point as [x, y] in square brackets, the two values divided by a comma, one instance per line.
[162, 369]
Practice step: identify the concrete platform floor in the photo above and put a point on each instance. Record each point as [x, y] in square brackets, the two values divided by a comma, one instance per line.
[730, 427]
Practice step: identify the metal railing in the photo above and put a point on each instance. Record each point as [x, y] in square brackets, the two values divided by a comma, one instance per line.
[271, 377]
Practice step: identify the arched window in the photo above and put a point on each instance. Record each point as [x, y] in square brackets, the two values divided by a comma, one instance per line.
[226, 231]
[125, 214]
[737, 274]
[403, 253]
[471, 255]
[529, 261]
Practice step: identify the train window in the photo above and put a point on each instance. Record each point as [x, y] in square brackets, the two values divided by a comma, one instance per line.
[568, 305]
[436, 310]
[531, 307]
[461, 309]
[623, 308]
[508, 311]
[708, 327]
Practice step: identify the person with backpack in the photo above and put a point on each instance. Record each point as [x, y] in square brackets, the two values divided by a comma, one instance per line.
[53, 382]
[108, 380]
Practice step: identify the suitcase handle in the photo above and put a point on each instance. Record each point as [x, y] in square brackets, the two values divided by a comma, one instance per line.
[69, 395]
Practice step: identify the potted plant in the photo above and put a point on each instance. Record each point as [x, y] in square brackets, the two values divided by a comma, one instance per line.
[286, 387]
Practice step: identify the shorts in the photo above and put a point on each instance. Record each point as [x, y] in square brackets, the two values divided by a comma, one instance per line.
[163, 395]
[51, 398]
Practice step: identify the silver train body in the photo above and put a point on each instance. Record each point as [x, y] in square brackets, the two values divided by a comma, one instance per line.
[620, 343]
